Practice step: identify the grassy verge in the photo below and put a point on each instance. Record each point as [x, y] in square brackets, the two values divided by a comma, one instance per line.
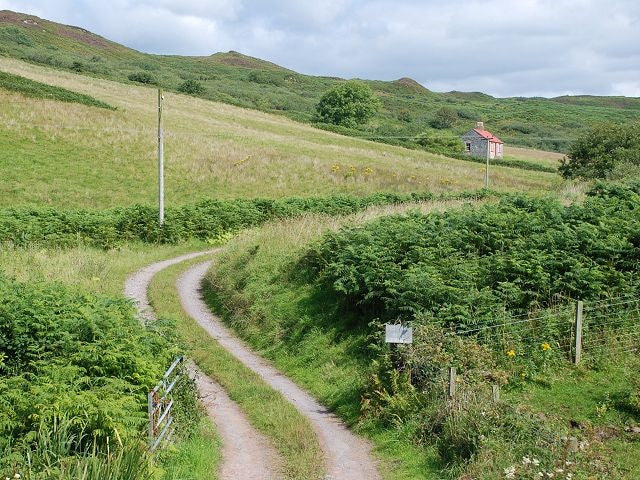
[303, 334]
[195, 458]
[268, 411]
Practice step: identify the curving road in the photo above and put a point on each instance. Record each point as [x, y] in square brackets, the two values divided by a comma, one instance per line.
[246, 453]
[347, 456]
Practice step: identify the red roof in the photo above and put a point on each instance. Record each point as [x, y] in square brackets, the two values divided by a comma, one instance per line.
[488, 135]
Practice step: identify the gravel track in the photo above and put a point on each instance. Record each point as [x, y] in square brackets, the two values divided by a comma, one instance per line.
[347, 456]
[246, 453]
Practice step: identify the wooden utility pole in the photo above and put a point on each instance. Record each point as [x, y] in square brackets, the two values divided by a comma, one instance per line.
[486, 170]
[452, 382]
[578, 327]
[160, 160]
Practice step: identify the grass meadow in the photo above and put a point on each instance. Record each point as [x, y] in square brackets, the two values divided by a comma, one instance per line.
[72, 155]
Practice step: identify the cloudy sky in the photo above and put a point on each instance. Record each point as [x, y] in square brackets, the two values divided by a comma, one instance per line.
[501, 47]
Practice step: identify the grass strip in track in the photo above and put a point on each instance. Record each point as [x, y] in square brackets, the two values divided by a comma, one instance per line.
[268, 411]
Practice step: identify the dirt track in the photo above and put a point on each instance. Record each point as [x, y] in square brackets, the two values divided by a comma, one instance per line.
[347, 456]
[246, 453]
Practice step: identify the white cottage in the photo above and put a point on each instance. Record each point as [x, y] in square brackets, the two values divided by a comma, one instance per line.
[478, 140]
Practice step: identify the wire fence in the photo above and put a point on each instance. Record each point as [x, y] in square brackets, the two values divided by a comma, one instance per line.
[603, 327]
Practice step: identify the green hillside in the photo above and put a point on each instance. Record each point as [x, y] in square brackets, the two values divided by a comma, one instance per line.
[74, 155]
[407, 107]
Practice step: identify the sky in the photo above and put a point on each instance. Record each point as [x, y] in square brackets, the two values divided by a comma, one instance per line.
[501, 47]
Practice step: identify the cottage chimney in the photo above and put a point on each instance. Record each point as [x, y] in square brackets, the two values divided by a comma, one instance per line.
[480, 125]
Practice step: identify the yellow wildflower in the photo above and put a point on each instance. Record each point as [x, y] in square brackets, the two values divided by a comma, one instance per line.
[335, 168]
[511, 353]
[545, 346]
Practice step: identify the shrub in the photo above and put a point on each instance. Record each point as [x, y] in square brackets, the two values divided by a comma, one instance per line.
[192, 87]
[444, 143]
[143, 77]
[79, 355]
[461, 267]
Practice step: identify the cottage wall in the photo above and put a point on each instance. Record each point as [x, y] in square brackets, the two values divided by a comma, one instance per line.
[478, 144]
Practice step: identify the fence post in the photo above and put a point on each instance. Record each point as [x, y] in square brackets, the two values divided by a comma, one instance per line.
[452, 382]
[578, 325]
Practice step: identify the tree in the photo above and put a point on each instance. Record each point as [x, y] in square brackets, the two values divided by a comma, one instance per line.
[605, 151]
[445, 118]
[349, 104]
[191, 87]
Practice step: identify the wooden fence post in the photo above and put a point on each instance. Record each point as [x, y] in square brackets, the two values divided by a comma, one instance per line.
[452, 382]
[495, 393]
[578, 329]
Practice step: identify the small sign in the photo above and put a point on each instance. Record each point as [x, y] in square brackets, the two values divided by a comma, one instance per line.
[398, 334]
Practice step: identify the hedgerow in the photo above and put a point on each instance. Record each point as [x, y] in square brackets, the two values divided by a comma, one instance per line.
[207, 219]
[31, 88]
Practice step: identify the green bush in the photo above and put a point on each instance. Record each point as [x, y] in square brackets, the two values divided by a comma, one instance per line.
[599, 152]
[76, 354]
[192, 87]
[143, 77]
[444, 143]
[445, 117]
[349, 104]
[461, 267]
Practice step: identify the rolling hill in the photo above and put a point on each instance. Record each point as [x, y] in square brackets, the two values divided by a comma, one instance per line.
[408, 107]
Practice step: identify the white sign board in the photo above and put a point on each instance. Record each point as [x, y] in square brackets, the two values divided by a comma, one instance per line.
[398, 334]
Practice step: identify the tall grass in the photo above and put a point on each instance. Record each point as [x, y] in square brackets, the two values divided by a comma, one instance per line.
[56, 450]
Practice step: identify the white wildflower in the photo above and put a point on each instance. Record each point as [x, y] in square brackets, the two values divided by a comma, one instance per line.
[510, 472]
[535, 461]
[526, 460]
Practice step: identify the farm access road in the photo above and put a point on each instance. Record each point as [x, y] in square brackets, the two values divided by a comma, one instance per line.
[347, 456]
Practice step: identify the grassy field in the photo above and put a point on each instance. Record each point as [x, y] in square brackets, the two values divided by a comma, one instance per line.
[71, 155]
[550, 159]
[408, 108]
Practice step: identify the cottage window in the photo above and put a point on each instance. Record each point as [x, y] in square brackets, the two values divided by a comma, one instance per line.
[467, 146]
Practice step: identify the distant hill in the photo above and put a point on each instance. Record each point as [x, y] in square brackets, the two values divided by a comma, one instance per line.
[408, 107]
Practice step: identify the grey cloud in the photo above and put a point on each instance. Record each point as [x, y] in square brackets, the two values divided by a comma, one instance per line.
[502, 47]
